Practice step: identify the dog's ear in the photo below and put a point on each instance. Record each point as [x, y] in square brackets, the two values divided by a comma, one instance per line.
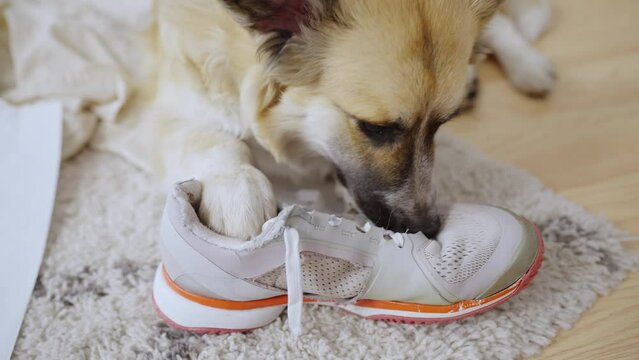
[290, 38]
[270, 15]
[485, 9]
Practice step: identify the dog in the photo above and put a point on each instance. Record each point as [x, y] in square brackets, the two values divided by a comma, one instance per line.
[354, 89]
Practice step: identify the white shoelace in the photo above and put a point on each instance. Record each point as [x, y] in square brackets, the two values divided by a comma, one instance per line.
[293, 280]
[293, 268]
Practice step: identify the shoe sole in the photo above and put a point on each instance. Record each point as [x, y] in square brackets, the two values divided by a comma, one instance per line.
[190, 312]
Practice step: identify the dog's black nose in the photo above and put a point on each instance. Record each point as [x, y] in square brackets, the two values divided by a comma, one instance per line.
[429, 225]
[426, 221]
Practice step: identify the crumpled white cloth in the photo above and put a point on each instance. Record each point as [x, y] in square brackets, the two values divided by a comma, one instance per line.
[86, 54]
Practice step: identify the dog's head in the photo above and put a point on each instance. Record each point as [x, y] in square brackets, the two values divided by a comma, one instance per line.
[365, 83]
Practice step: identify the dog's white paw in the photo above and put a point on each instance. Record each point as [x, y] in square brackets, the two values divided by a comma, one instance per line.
[531, 72]
[237, 203]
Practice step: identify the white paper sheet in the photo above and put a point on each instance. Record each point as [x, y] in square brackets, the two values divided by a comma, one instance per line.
[30, 145]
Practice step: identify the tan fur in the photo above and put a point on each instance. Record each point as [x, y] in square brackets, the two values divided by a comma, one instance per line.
[401, 63]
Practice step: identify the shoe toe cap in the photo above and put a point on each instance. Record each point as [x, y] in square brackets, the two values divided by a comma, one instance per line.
[521, 261]
[480, 251]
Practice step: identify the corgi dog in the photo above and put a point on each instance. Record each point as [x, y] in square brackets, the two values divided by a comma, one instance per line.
[354, 89]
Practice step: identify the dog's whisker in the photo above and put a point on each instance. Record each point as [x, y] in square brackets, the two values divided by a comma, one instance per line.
[390, 217]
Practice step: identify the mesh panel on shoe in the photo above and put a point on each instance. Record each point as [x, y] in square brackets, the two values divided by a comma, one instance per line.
[465, 248]
[322, 275]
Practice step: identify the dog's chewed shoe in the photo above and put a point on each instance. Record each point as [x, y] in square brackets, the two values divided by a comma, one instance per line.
[214, 284]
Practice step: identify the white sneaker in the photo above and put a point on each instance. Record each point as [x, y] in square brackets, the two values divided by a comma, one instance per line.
[214, 284]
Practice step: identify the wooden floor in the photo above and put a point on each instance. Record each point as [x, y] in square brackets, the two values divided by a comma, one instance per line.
[583, 141]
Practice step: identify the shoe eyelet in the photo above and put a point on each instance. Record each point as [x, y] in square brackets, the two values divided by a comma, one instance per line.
[334, 221]
[364, 228]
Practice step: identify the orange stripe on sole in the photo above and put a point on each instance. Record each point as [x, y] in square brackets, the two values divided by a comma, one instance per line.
[377, 304]
[224, 304]
[437, 309]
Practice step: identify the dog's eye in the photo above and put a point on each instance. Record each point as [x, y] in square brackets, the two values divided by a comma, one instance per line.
[379, 133]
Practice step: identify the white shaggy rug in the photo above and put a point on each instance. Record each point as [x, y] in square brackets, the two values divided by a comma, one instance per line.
[92, 298]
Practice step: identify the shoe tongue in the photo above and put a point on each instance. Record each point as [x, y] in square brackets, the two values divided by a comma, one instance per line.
[268, 224]
[275, 224]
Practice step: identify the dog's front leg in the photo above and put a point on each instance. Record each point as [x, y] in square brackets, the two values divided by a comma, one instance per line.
[236, 197]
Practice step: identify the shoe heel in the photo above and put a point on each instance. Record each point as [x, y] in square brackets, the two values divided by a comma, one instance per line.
[185, 314]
